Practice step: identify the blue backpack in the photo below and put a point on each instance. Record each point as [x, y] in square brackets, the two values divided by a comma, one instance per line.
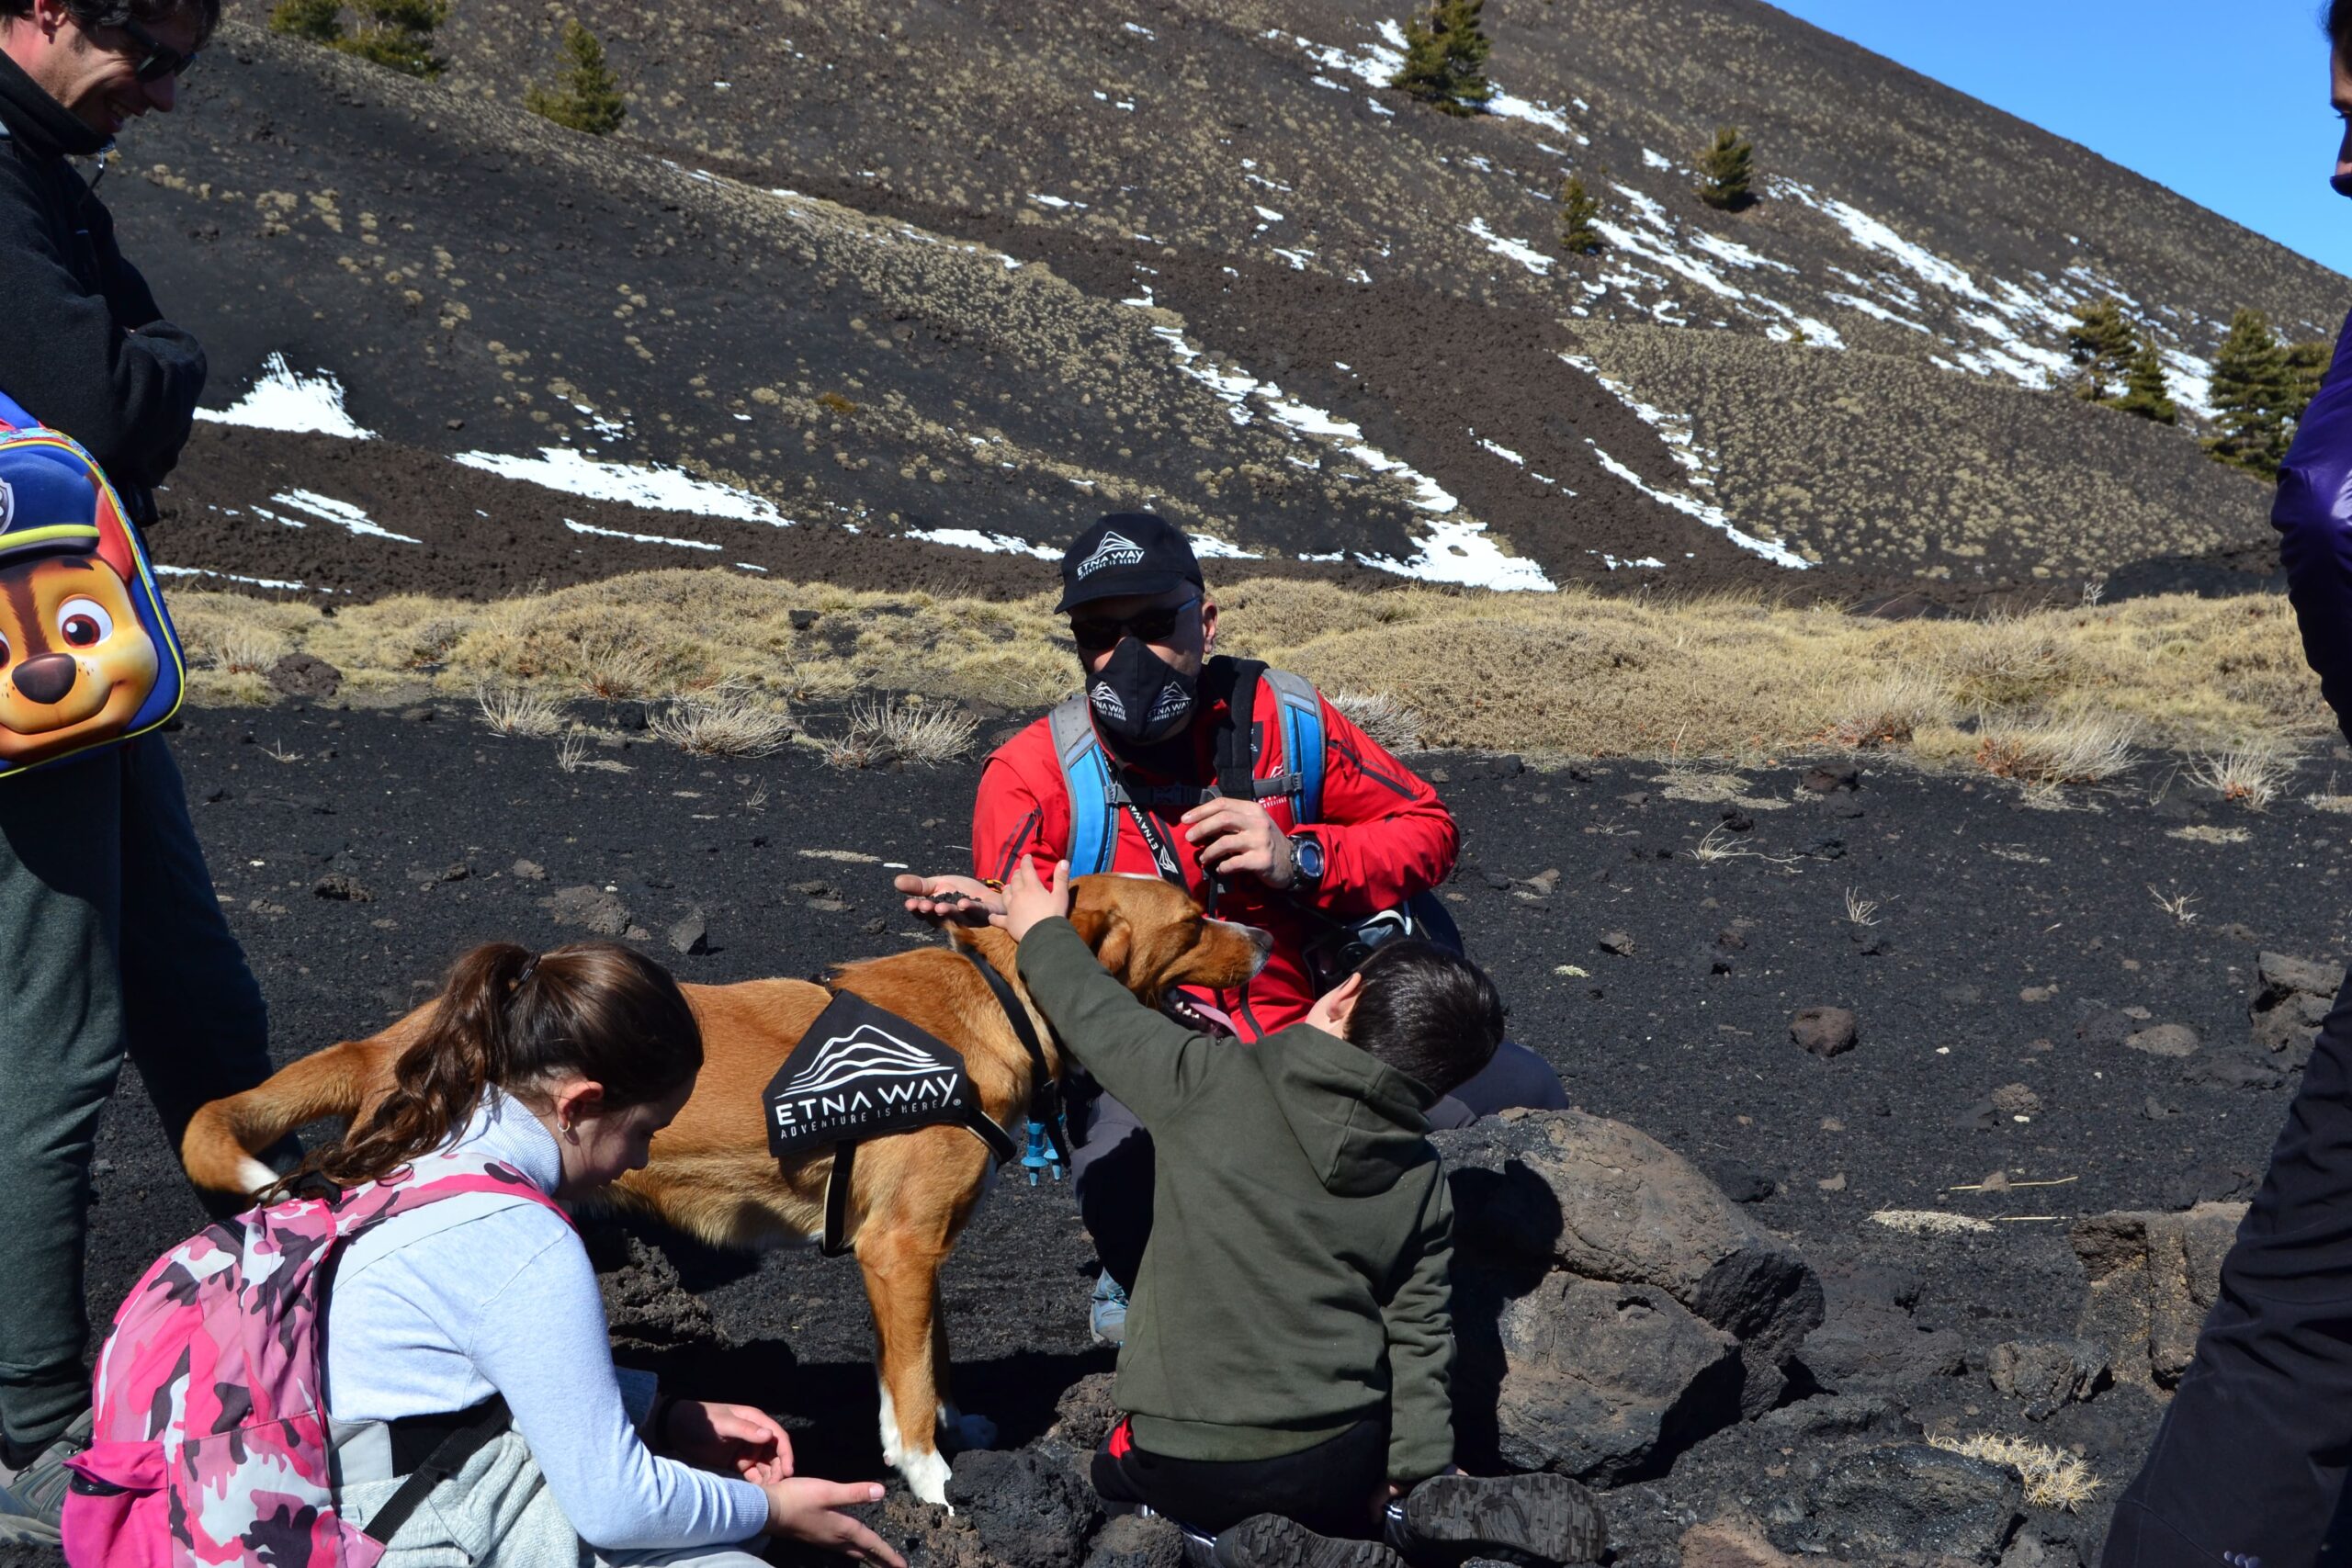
[88, 658]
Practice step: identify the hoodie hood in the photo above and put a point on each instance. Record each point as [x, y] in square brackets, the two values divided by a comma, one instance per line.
[46, 127]
[1358, 1119]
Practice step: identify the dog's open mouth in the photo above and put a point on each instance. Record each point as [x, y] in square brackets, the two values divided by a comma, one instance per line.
[1195, 1014]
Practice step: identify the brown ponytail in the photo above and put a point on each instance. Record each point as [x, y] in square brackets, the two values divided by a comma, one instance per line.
[510, 1017]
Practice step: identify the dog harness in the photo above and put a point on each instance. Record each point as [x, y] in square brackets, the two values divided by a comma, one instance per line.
[861, 1072]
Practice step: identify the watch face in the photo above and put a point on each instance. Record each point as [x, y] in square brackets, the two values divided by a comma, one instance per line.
[1309, 855]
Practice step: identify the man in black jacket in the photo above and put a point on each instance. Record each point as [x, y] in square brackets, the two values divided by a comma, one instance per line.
[110, 937]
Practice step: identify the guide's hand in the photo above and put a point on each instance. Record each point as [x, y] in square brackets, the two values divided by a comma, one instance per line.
[804, 1509]
[1239, 835]
[960, 901]
[1028, 900]
[729, 1439]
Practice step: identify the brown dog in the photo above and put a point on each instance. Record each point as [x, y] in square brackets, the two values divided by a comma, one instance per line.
[711, 1175]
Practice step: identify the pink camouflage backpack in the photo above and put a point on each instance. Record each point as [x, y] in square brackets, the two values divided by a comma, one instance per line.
[209, 1441]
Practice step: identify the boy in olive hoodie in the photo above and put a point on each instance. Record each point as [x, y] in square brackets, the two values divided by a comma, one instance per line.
[1289, 1342]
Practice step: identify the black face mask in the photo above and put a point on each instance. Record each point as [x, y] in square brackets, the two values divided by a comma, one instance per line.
[1139, 697]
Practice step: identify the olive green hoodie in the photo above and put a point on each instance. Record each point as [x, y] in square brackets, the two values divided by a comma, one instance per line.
[1295, 1280]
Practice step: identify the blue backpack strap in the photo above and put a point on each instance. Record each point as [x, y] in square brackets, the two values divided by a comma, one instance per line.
[13, 414]
[1300, 708]
[1086, 778]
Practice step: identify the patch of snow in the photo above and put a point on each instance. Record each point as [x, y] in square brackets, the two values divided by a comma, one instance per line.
[1655, 160]
[1055, 201]
[1323, 81]
[747, 566]
[1706, 513]
[1297, 259]
[1735, 253]
[653, 487]
[162, 571]
[341, 514]
[1872, 235]
[1873, 308]
[995, 544]
[1141, 31]
[637, 538]
[1461, 552]
[1268, 214]
[1510, 106]
[1505, 453]
[2188, 381]
[1209, 547]
[284, 400]
[1519, 251]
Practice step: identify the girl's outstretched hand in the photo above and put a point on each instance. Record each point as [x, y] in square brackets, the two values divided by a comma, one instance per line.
[807, 1510]
[1028, 900]
[729, 1439]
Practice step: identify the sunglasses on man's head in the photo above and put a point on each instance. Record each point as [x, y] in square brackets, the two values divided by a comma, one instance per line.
[157, 61]
[1095, 633]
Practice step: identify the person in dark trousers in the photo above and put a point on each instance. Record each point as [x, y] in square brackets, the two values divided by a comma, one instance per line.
[1159, 697]
[110, 937]
[1288, 1369]
[2248, 1468]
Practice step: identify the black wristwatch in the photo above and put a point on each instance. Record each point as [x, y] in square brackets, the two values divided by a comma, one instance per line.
[1306, 857]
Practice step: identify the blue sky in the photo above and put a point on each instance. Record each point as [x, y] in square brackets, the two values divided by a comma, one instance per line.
[2223, 101]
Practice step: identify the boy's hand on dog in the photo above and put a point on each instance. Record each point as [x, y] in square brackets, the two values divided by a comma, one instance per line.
[965, 901]
[729, 1439]
[1028, 900]
[1239, 835]
[805, 1510]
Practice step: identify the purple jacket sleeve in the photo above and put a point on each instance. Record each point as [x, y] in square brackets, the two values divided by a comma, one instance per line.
[2314, 516]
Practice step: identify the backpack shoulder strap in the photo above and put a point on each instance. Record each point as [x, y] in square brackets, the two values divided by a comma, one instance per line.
[12, 415]
[1237, 740]
[1300, 709]
[1086, 778]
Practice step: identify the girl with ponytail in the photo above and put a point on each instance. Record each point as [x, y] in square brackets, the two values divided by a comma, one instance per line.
[558, 1069]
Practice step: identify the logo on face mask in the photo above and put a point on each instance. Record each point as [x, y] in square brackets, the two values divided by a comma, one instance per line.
[1174, 702]
[7, 507]
[1116, 549]
[1106, 701]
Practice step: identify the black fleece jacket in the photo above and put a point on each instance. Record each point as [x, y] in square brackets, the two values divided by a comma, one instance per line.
[82, 346]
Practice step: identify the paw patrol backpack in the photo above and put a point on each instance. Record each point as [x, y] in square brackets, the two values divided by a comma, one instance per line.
[88, 658]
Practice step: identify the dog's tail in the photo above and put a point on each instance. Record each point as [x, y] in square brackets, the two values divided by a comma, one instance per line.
[224, 1136]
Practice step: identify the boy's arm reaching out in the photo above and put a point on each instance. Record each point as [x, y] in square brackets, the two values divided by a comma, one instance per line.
[1151, 1064]
[1420, 1321]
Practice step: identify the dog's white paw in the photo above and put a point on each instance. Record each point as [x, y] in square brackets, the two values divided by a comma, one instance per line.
[893, 1446]
[255, 1176]
[965, 1432]
[926, 1474]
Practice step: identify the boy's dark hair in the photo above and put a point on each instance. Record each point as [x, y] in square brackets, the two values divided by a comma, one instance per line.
[2339, 24]
[89, 14]
[1431, 1014]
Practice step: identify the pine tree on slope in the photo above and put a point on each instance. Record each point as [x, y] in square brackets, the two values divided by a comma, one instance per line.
[2251, 392]
[2102, 344]
[588, 95]
[1445, 58]
[314, 21]
[2306, 367]
[2143, 386]
[1578, 208]
[1726, 170]
[397, 34]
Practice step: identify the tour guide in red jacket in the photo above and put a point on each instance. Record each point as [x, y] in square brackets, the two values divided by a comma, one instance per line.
[1145, 630]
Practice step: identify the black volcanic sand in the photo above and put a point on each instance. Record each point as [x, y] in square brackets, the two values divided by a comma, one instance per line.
[2002, 925]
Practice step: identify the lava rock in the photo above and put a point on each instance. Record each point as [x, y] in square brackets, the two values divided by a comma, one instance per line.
[586, 905]
[1829, 778]
[1132, 1540]
[1978, 1116]
[2152, 1278]
[1826, 1031]
[1737, 821]
[2104, 1026]
[1911, 1501]
[1739, 1183]
[630, 718]
[2291, 999]
[342, 889]
[1731, 1542]
[2236, 1070]
[646, 1306]
[2017, 1099]
[1617, 942]
[305, 675]
[1868, 1341]
[2173, 1040]
[1030, 1507]
[691, 936]
[1085, 1413]
[2048, 1374]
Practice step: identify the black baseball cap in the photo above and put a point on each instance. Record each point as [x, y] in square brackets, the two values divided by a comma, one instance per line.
[1127, 552]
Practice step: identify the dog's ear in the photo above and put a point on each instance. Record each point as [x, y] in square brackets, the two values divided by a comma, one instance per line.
[1108, 933]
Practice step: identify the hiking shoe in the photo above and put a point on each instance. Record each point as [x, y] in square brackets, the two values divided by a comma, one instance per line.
[1107, 1315]
[1269, 1540]
[32, 1500]
[1546, 1521]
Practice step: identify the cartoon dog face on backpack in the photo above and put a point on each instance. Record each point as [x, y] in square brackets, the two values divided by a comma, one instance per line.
[76, 663]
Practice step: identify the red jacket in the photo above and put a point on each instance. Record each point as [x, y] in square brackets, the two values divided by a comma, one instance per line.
[1385, 833]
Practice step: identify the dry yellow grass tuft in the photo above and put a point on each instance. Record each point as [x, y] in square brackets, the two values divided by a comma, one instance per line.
[1383, 717]
[727, 721]
[2060, 694]
[2250, 773]
[2053, 1478]
[911, 731]
[511, 712]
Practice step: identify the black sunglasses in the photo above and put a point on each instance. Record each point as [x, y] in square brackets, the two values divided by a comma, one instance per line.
[158, 62]
[1094, 633]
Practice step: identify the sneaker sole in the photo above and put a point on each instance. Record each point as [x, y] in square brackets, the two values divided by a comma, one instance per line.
[1536, 1521]
[1272, 1541]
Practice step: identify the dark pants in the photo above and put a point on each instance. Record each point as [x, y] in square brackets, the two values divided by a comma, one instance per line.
[110, 940]
[1333, 1488]
[1110, 1169]
[2250, 1458]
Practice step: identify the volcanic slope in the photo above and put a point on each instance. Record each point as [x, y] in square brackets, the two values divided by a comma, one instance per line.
[1191, 257]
